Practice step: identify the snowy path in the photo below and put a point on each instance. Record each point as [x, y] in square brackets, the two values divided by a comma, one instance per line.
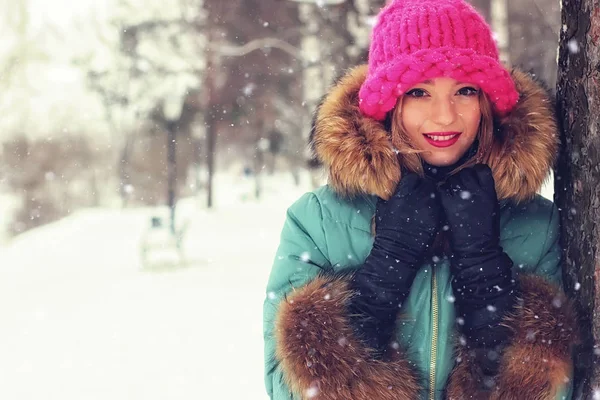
[81, 319]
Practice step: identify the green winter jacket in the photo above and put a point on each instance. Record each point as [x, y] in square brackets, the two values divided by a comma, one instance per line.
[309, 349]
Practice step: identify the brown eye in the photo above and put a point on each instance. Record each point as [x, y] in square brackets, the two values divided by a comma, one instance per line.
[468, 91]
[416, 93]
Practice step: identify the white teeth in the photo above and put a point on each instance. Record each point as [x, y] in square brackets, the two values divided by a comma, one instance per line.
[438, 138]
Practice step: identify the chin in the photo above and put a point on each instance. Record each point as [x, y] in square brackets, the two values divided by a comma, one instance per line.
[441, 161]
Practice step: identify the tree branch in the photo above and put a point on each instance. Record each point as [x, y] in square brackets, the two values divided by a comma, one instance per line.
[149, 25]
[237, 51]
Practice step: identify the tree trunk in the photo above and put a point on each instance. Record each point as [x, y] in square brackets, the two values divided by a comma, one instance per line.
[577, 176]
[124, 168]
[499, 16]
[211, 105]
[171, 172]
[211, 143]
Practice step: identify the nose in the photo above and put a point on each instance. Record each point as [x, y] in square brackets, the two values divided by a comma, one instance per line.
[443, 111]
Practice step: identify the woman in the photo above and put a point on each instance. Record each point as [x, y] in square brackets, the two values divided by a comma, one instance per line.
[428, 267]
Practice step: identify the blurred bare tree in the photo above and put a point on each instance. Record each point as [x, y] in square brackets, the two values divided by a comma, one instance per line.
[534, 27]
[246, 76]
[155, 57]
[21, 49]
[51, 178]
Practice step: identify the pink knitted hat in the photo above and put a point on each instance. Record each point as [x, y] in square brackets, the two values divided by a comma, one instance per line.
[417, 40]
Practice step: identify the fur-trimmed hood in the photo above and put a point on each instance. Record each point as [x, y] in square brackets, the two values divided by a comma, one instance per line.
[359, 155]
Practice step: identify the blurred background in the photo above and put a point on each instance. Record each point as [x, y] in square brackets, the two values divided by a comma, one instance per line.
[149, 150]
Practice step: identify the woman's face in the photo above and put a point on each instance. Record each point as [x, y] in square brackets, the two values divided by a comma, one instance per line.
[441, 117]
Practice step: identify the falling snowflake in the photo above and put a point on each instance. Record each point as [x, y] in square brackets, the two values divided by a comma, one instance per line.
[557, 302]
[465, 194]
[311, 392]
[271, 296]
[489, 382]
[249, 89]
[492, 355]
[305, 257]
[573, 46]
[491, 308]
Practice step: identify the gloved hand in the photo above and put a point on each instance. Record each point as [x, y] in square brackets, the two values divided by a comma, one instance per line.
[405, 226]
[483, 285]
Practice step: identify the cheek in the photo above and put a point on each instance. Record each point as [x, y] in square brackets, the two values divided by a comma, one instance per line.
[412, 120]
[471, 117]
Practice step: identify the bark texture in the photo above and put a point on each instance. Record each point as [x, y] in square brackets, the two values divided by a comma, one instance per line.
[577, 175]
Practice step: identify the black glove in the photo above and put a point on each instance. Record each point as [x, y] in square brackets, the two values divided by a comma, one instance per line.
[405, 226]
[483, 284]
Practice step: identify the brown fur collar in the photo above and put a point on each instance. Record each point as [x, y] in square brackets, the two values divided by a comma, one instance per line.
[359, 156]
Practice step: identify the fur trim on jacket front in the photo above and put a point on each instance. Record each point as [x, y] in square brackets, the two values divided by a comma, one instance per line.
[322, 359]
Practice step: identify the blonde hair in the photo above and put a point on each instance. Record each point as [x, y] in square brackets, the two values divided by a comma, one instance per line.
[410, 158]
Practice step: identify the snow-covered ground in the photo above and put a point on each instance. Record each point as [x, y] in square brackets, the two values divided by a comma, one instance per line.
[82, 318]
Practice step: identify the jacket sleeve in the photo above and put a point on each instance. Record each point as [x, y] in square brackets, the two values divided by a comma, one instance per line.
[310, 350]
[537, 363]
[549, 261]
[299, 258]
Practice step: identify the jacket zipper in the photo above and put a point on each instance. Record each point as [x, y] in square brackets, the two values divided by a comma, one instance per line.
[434, 336]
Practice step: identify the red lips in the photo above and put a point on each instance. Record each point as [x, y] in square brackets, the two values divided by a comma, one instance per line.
[442, 139]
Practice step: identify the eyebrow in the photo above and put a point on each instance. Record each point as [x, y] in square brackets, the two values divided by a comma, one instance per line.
[430, 82]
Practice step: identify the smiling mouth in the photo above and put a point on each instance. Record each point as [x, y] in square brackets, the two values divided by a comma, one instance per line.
[441, 136]
[442, 139]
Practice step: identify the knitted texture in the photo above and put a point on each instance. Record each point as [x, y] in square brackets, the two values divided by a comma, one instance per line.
[417, 40]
